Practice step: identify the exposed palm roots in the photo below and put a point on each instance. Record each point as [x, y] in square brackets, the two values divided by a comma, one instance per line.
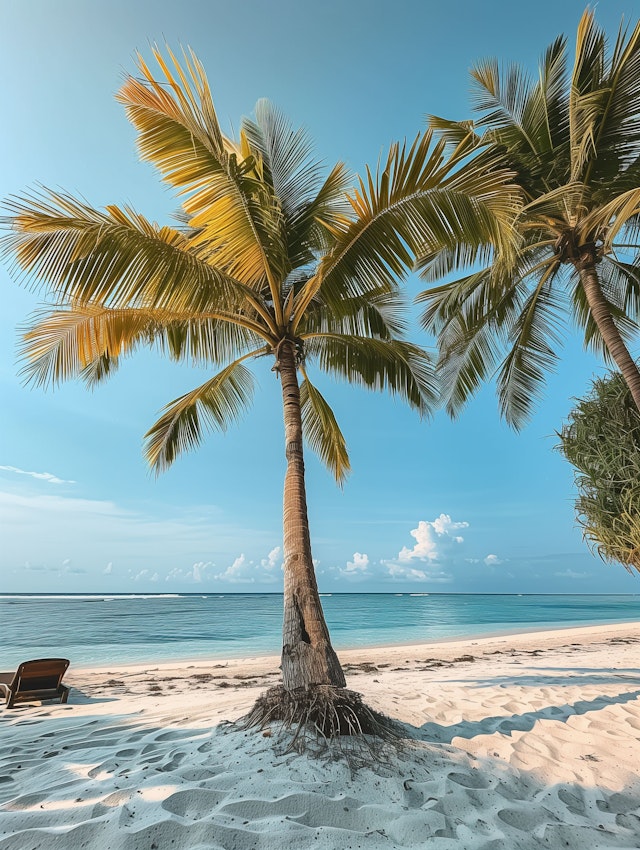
[324, 720]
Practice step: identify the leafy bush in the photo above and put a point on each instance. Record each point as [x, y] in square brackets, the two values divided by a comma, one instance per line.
[602, 441]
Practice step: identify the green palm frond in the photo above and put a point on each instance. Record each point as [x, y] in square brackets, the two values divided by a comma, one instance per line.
[623, 286]
[536, 337]
[472, 337]
[399, 367]
[609, 219]
[286, 156]
[213, 405]
[310, 205]
[202, 340]
[322, 431]
[382, 315]
[418, 201]
[572, 141]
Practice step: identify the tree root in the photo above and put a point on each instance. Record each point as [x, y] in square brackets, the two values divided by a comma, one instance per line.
[325, 721]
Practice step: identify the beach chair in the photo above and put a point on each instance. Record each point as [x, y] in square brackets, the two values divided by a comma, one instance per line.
[35, 680]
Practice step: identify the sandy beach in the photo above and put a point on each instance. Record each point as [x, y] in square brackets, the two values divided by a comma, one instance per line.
[521, 741]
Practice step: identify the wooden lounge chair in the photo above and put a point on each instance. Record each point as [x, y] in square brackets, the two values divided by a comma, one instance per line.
[35, 680]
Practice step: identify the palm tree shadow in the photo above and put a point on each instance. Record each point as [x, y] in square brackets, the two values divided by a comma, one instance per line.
[436, 733]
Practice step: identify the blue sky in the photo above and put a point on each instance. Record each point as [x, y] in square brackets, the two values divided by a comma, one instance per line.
[441, 506]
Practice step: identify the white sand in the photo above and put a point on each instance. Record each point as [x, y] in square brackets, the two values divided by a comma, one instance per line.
[534, 743]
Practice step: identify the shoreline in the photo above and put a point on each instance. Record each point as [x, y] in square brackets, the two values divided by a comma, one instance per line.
[268, 658]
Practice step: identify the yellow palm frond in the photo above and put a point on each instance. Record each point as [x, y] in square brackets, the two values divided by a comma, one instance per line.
[236, 216]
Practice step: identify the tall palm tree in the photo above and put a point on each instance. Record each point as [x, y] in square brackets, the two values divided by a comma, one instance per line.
[573, 142]
[270, 259]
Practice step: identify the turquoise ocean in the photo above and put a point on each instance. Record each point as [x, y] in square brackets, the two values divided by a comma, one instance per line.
[103, 629]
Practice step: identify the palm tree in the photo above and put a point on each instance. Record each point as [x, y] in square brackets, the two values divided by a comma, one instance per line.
[269, 259]
[573, 142]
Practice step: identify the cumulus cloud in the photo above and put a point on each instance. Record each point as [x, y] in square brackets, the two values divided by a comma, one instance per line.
[199, 570]
[400, 571]
[493, 560]
[273, 559]
[198, 573]
[146, 575]
[358, 565]
[43, 476]
[431, 573]
[434, 541]
[237, 572]
[430, 538]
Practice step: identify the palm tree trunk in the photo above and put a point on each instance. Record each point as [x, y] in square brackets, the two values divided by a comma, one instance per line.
[609, 332]
[307, 655]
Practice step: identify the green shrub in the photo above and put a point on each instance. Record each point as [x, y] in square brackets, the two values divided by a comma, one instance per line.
[602, 441]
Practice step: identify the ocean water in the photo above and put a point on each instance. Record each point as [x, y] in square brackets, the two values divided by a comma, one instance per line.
[101, 629]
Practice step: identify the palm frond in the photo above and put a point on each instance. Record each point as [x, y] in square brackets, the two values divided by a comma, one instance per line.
[287, 154]
[502, 97]
[618, 136]
[85, 340]
[535, 340]
[117, 257]
[418, 202]
[472, 318]
[609, 219]
[213, 405]
[381, 315]
[322, 431]
[234, 212]
[399, 367]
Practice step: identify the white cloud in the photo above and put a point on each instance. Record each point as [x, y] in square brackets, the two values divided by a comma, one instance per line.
[430, 573]
[146, 575]
[237, 572]
[430, 537]
[197, 574]
[493, 560]
[571, 574]
[400, 571]
[43, 476]
[434, 541]
[358, 565]
[272, 559]
[199, 570]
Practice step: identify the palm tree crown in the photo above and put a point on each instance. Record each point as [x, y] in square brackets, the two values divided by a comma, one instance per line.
[572, 140]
